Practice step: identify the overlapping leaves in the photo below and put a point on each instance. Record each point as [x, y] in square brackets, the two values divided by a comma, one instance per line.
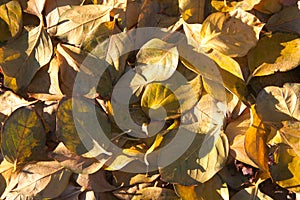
[227, 86]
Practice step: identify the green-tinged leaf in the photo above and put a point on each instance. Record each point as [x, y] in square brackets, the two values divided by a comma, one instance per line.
[235, 132]
[159, 101]
[282, 45]
[75, 163]
[155, 193]
[80, 126]
[157, 60]
[286, 171]
[287, 20]
[172, 96]
[11, 13]
[268, 6]
[23, 136]
[47, 179]
[227, 6]
[256, 141]
[99, 35]
[277, 104]
[79, 21]
[96, 182]
[290, 132]
[215, 189]
[21, 58]
[192, 11]
[226, 33]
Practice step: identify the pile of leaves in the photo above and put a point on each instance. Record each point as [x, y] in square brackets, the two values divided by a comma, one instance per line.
[224, 72]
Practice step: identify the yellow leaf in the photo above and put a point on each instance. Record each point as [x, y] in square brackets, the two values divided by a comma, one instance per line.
[255, 141]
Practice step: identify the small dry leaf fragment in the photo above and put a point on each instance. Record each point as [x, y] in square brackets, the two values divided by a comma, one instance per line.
[9, 102]
[192, 11]
[155, 193]
[227, 6]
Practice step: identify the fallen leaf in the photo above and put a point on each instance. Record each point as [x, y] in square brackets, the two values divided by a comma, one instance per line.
[77, 22]
[155, 193]
[256, 141]
[225, 32]
[277, 104]
[74, 162]
[268, 6]
[192, 11]
[21, 58]
[54, 10]
[77, 128]
[96, 182]
[261, 62]
[215, 189]
[45, 179]
[286, 169]
[23, 137]
[11, 14]
[157, 56]
[287, 20]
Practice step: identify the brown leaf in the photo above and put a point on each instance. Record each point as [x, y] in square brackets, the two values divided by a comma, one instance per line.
[74, 162]
[43, 179]
[54, 10]
[96, 182]
[192, 11]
